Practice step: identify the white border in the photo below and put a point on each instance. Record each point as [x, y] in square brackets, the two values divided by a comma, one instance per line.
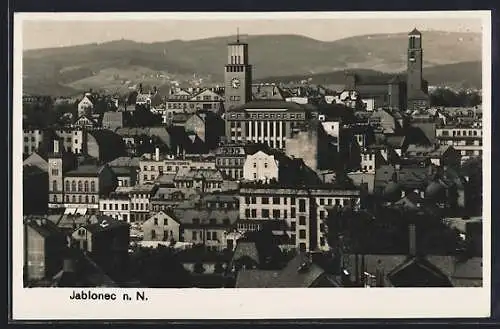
[54, 304]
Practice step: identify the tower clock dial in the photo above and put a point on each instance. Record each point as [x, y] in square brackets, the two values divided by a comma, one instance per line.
[235, 83]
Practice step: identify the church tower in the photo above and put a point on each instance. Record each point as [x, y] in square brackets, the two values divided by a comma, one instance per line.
[237, 75]
[415, 85]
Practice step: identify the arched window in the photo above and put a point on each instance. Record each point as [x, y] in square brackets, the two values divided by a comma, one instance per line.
[93, 199]
[54, 198]
[67, 198]
[86, 186]
[86, 199]
[79, 199]
[67, 186]
[73, 186]
[79, 186]
[92, 186]
[73, 199]
[54, 185]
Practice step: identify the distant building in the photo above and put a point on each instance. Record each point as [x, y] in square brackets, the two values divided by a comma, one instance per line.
[303, 209]
[269, 122]
[32, 140]
[468, 140]
[140, 196]
[161, 227]
[117, 206]
[84, 186]
[86, 105]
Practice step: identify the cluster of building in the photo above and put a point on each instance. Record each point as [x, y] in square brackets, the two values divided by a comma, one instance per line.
[225, 163]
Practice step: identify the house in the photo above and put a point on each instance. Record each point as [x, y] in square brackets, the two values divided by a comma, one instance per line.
[201, 224]
[86, 104]
[106, 241]
[261, 166]
[33, 140]
[140, 196]
[116, 205]
[44, 245]
[86, 121]
[204, 180]
[383, 119]
[161, 227]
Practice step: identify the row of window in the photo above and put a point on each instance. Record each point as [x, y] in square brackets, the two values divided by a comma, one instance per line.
[81, 199]
[210, 236]
[235, 98]
[230, 162]
[461, 132]
[211, 221]
[79, 186]
[124, 206]
[265, 200]
[276, 213]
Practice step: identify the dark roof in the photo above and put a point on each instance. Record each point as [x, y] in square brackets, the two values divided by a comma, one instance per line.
[105, 223]
[246, 249]
[418, 272]
[85, 170]
[300, 272]
[43, 226]
[271, 104]
[122, 171]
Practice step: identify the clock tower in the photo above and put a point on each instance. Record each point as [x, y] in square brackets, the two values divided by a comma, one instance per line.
[237, 75]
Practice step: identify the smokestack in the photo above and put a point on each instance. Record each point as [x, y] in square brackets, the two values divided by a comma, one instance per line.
[413, 239]
[157, 154]
[56, 146]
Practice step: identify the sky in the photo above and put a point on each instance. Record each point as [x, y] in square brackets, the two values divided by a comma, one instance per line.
[54, 32]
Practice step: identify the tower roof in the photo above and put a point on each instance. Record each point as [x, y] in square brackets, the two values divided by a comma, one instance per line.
[415, 32]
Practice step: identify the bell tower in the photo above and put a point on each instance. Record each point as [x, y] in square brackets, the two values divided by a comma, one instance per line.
[415, 87]
[237, 75]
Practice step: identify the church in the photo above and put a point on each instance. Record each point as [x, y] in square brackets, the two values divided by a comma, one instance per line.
[404, 92]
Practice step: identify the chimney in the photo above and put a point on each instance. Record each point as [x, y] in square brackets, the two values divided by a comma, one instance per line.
[56, 146]
[413, 239]
[157, 154]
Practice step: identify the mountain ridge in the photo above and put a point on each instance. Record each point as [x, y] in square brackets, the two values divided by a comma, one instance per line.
[117, 64]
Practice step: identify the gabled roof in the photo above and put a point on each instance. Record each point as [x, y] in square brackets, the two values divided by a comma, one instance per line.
[43, 226]
[418, 272]
[300, 272]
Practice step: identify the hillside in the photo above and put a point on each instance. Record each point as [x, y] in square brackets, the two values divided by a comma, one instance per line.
[112, 65]
[458, 75]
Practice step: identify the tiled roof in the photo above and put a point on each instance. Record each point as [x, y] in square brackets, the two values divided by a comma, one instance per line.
[42, 225]
[246, 249]
[199, 174]
[85, 170]
[125, 162]
[298, 273]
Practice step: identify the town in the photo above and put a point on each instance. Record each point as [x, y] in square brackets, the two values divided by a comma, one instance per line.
[245, 184]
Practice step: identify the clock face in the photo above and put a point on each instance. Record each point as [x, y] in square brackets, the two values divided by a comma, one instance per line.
[235, 83]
